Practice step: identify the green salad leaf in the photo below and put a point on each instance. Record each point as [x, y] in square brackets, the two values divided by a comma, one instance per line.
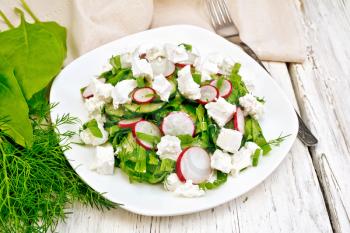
[92, 126]
[221, 178]
[36, 52]
[13, 107]
[238, 87]
[253, 132]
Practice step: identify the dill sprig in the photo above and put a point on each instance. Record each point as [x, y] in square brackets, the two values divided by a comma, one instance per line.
[37, 184]
[277, 141]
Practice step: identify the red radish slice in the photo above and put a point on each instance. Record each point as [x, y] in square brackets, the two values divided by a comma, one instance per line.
[208, 94]
[162, 66]
[182, 65]
[238, 120]
[144, 95]
[178, 123]
[146, 127]
[193, 164]
[129, 123]
[226, 88]
[88, 92]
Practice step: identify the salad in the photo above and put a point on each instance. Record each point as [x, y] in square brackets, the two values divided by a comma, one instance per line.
[165, 114]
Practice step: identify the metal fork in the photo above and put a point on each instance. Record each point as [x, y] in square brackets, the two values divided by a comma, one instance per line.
[225, 27]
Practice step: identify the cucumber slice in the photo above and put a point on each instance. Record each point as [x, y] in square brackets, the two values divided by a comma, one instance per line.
[111, 111]
[174, 87]
[144, 108]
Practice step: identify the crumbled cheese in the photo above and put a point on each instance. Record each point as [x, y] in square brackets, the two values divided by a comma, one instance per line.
[88, 138]
[162, 86]
[169, 147]
[122, 90]
[213, 177]
[189, 189]
[251, 106]
[221, 111]
[94, 106]
[101, 90]
[225, 66]
[154, 52]
[221, 161]
[126, 59]
[243, 158]
[187, 87]
[104, 160]
[229, 140]
[172, 182]
[176, 54]
[141, 68]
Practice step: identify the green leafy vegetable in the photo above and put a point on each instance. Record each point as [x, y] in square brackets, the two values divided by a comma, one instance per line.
[221, 179]
[253, 132]
[238, 87]
[148, 138]
[140, 82]
[219, 82]
[35, 51]
[197, 78]
[255, 157]
[116, 64]
[93, 127]
[13, 107]
[188, 47]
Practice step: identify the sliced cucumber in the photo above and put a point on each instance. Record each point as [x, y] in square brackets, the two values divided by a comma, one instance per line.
[144, 108]
[111, 111]
[174, 87]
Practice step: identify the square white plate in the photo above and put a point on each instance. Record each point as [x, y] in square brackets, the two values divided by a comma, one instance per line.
[153, 200]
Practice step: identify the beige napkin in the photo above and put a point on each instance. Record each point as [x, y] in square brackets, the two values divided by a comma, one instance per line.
[270, 27]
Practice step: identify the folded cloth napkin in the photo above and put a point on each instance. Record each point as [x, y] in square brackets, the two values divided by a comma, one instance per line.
[270, 27]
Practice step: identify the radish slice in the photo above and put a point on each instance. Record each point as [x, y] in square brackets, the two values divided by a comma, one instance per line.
[226, 88]
[208, 94]
[178, 123]
[144, 95]
[129, 123]
[162, 66]
[182, 65]
[88, 92]
[238, 120]
[193, 164]
[146, 127]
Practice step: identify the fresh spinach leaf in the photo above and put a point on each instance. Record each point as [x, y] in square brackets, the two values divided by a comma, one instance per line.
[93, 127]
[13, 107]
[253, 132]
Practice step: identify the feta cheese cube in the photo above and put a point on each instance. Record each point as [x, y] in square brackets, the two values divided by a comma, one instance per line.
[104, 160]
[122, 90]
[187, 87]
[251, 106]
[141, 68]
[221, 111]
[189, 189]
[229, 140]
[101, 90]
[162, 86]
[221, 161]
[169, 147]
[126, 59]
[88, 138]
[176, 53]
[243, 158]
[172, 182]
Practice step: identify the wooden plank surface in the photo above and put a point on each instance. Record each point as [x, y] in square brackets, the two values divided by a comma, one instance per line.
[290, 200]
[322, 85]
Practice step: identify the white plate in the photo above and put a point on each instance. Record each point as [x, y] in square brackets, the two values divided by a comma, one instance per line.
[152, 199]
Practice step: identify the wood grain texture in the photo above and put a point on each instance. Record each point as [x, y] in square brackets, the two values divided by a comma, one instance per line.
[322, 85]
[290, 200]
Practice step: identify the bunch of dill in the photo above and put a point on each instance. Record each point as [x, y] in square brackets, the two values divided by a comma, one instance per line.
[37, 184]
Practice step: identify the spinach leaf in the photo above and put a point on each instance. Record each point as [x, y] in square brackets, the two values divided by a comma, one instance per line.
[13, 107]
[36, 51]
[221, 179]
[93, 127]
[238, 87]
[253, 132]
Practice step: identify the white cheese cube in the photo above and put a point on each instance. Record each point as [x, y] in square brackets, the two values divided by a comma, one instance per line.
[221, 161]
[104, 160]
[229, 140]
[169, 147]
[186, 85]
[122, 90]
[221, 111]
[162, 86]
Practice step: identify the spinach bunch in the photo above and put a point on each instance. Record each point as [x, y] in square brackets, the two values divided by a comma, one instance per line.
[31, 55]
